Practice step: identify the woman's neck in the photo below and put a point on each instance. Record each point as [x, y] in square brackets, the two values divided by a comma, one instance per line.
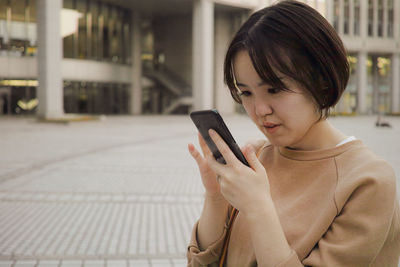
[322, 135]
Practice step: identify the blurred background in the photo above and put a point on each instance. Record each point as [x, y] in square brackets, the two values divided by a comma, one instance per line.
[165, 57]
[110, 182]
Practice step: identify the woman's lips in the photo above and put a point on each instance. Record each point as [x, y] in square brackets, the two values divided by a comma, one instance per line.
[271, 127]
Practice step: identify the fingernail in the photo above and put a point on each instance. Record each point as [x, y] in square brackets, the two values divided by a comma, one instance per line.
[211, 132]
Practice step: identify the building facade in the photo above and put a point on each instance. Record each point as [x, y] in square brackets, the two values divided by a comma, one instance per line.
[139, 57]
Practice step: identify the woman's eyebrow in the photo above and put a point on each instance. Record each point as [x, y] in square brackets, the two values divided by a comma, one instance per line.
[258, 84]
[245, 85]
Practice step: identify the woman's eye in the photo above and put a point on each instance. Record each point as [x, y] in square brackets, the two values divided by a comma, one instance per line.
[244, 93]
[273, 90]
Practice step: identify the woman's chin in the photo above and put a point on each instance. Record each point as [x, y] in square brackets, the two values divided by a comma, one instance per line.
[276, 141]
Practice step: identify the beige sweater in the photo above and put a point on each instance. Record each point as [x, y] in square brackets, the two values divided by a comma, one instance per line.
[337, 207]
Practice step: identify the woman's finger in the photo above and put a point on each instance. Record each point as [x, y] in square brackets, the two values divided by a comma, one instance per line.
[218, 168]
[252, 158]
[195, 154]
[204, 147]
[223, 148]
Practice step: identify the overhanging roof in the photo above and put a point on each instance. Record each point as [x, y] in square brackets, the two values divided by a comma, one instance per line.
[171, 7]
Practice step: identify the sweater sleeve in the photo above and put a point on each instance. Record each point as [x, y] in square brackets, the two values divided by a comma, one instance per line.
[367, 207]
[209, 256]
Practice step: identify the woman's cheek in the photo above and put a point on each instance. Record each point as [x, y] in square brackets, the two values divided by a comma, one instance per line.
[249, 109]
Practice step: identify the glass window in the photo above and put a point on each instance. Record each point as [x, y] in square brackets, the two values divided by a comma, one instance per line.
[19, 27]
[88, 31]
[100, 40]
[102, 31]
[69, 35]
[82, 32]
[113, 34]
[346, 17]
[69, 98]
[336, 14]
[95, 98]
[32, 9]
[18, 11]
[94, 12]
[3, 10]
[390, 18]
[30, 20]
[380, 17]
[106, 31]
[13, 28]
[119, 31]
[370, 17]
[126, 38]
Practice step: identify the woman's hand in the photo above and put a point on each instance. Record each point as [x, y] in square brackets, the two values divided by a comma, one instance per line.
[208, 176]
[245, 188]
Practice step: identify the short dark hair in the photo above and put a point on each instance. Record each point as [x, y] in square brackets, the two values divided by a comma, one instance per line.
[295, 40]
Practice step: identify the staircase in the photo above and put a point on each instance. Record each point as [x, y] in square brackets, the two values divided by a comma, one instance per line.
[179, 92]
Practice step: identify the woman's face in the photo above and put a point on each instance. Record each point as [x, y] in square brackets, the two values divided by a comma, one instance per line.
[285, 117]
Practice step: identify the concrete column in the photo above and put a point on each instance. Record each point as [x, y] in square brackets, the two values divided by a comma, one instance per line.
[50, 89]
[8, 24]
[136, 54]
[223, 99]
[363, 20]
[362, 82]
[203, 60]
[341, 105]
[341, 18]
[351, 17]
[396, 22]
[375, 18]
[329, 11]
[395, 107]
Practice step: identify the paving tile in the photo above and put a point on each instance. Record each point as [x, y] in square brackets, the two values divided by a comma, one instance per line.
[94, 263]
[23, 263]
[117, 263]
[161, 263]
[48, 263]
[6, 263]
[139, 263]
[71, 263]
[179, 262]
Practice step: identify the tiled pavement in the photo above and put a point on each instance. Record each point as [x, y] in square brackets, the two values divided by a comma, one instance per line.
[122, 191]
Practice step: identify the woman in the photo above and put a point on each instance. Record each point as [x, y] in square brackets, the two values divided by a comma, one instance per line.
[312, 195]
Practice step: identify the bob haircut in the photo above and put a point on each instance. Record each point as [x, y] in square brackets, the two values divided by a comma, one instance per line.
[292, 39]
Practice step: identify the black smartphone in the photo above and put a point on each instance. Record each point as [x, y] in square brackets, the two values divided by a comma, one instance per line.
[211, 119]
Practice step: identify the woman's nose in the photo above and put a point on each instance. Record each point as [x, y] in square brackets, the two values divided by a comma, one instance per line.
[263, 108]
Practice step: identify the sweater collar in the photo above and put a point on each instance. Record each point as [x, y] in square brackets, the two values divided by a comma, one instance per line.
[318, 154]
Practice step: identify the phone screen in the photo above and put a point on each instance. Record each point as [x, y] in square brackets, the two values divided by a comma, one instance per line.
[211, 119]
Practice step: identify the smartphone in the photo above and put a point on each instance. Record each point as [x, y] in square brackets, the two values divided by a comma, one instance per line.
[211, 119]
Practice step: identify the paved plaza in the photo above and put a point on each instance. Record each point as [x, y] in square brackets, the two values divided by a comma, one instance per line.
[119, 191]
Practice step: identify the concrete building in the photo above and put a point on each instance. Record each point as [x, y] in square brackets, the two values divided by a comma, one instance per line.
[135, 57]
